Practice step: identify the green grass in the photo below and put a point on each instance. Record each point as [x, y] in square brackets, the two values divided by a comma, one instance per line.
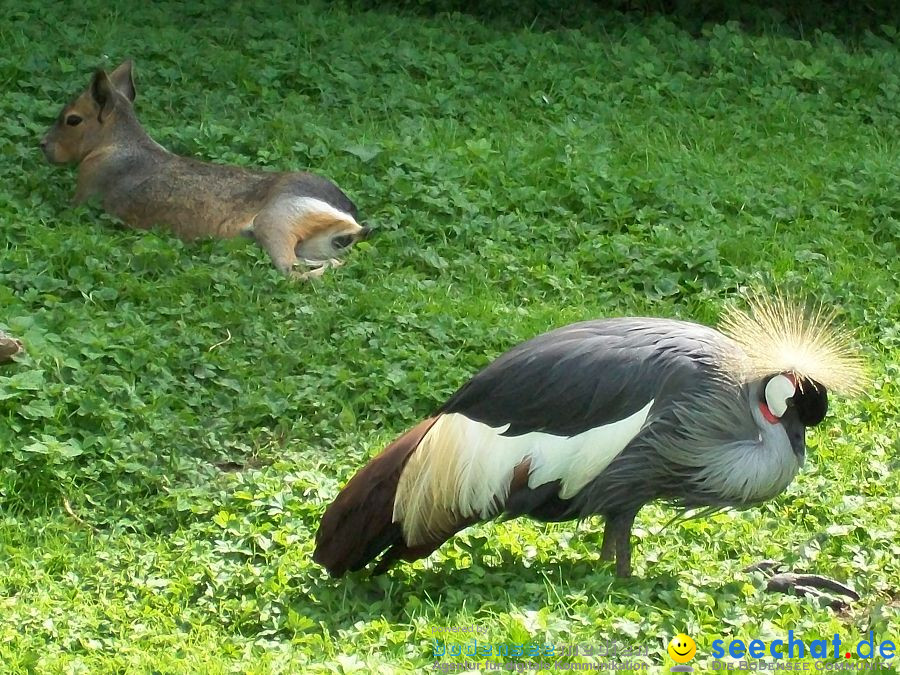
[184, 414]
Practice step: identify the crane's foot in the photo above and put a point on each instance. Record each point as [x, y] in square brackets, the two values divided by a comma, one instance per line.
[782, 580]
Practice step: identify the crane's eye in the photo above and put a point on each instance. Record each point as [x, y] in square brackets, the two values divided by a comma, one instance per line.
[73, 120]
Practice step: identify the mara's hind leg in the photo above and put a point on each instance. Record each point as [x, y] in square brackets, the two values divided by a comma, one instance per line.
[280, 242]
[273, 233]
[307, 230]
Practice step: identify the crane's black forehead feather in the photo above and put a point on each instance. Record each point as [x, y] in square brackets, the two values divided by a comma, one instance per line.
[811, 401]
[588, 374]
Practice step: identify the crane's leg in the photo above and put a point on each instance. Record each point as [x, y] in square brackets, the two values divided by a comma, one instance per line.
[608, 549]
[617, 542]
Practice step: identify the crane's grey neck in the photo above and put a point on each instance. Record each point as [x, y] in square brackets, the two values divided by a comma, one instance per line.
[733, 455]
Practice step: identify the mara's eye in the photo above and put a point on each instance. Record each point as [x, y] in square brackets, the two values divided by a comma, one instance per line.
[342, 241]
[73, 120]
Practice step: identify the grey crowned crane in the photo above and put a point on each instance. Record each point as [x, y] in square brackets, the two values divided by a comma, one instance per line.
[600, 418]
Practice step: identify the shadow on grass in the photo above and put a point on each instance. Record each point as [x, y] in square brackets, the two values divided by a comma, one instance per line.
[442, 594]
[797, 19]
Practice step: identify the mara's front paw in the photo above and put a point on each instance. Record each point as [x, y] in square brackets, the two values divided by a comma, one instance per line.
[315, 269]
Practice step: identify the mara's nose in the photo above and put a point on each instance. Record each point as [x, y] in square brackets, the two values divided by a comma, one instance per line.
[365, 232]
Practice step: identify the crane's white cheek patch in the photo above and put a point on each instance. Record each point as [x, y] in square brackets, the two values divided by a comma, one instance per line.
[463, 468]
[778, 390]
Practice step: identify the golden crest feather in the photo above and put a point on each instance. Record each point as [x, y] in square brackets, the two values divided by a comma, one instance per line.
[778, 335]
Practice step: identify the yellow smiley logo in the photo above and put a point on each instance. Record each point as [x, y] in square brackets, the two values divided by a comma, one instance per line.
[682, 648]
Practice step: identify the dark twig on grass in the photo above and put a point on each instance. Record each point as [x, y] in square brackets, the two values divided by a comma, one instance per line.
[9, 347]
[779, 580]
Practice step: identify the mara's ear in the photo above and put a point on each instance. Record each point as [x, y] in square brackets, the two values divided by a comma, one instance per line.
[103, 94]
[123, 80]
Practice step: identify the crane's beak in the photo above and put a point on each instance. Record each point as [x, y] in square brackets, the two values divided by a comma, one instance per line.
[797, 437]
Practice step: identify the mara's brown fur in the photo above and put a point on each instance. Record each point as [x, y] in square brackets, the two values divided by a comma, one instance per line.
[295, 216]
[9, 347]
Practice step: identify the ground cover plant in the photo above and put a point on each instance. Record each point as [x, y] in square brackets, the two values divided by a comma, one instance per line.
[183, 414]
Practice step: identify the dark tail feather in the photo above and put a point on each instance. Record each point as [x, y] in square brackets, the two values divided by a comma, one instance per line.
[358, 525]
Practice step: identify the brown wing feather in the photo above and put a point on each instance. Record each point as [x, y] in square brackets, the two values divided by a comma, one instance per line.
[359, 525]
